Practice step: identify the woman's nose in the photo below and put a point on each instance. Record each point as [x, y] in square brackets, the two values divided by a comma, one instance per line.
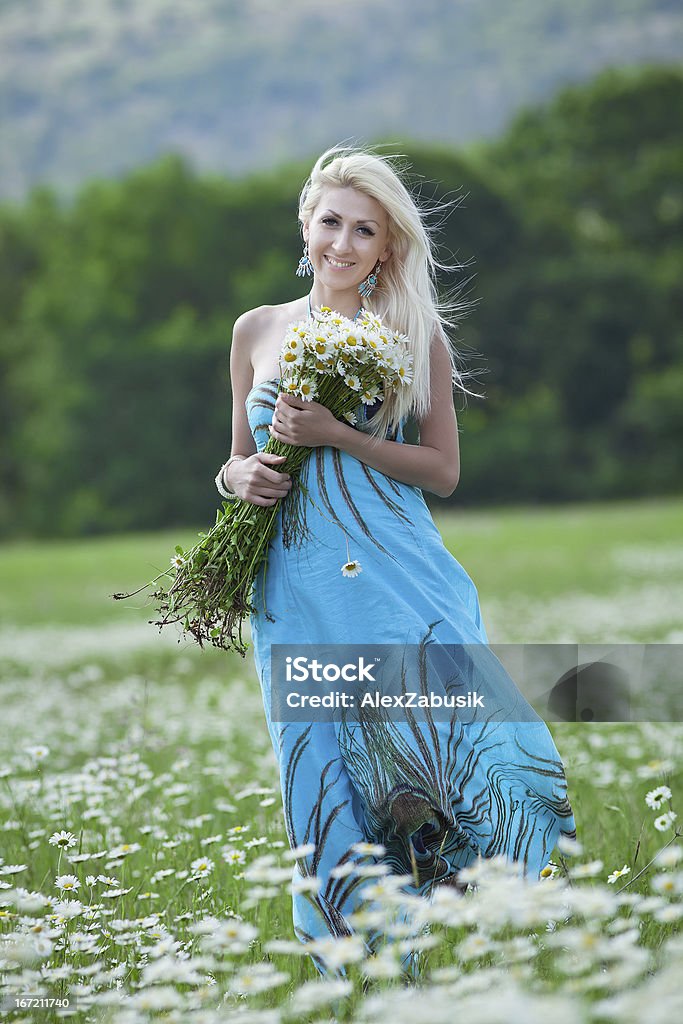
[343, 242]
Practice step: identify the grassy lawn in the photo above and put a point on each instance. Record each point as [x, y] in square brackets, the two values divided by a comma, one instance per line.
[156, 756]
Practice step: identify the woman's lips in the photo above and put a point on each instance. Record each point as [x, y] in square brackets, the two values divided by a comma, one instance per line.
[340, 265]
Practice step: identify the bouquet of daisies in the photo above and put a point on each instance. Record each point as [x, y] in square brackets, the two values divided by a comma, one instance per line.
[337, 362]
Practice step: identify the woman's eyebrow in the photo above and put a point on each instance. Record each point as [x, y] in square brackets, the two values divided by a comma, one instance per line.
[362, 221]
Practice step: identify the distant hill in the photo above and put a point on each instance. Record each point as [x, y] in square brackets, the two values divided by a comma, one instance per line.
[95, 87]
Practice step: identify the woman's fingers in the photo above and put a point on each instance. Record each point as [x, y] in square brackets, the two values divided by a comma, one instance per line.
[274, 492]
[263, 502]
[280, 435]
[271, 476]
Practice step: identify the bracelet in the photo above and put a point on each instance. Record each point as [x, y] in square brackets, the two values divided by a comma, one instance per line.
[220, 479]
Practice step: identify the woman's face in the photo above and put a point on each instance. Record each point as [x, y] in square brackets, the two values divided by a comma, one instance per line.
[346, 235]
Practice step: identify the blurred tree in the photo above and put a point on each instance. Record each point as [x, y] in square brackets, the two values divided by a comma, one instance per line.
[116, 314]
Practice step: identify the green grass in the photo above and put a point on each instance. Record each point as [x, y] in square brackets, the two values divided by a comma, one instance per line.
[539, 552]
[542, 551]
[193, 723]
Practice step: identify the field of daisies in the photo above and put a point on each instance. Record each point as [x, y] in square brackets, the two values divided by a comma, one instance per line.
[144, 868]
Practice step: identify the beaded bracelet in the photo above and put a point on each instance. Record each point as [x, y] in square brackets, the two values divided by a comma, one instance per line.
[220, 485]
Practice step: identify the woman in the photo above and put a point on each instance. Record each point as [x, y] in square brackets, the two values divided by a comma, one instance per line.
[434, 795]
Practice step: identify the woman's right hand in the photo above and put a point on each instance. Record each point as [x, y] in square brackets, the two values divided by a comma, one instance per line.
[253, 480]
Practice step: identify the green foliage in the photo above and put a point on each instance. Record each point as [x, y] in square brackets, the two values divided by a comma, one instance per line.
[116, 313]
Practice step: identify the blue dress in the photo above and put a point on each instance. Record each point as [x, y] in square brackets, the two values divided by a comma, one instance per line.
[435, 795]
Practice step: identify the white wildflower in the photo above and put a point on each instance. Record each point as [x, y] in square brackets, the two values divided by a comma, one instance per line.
[62, 839]
[67, 883]
[656, 797]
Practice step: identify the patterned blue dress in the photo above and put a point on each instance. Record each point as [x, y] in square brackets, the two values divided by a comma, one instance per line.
[436, 795]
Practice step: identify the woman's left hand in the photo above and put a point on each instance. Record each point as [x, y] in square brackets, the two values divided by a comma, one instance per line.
[308, 424]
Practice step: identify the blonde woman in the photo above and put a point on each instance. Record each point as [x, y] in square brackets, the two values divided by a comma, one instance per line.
[425, 798]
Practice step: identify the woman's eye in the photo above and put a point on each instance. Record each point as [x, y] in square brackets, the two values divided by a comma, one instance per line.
[333, 220]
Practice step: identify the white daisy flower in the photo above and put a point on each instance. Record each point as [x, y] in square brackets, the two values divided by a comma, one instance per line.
[234, 856]
[611, 879]
[62, 839]
[202, 866]
[588, 870]
[669, 914]
[351, 418]
[654, 768]
[300, 852]
[352, 381]
[322, 346]
[38, 753]
[300, 885]
[373, 323]
[307, 389]
[369, 849]
[292, 358]
[376, 341]
[257, 978]
[568, 846]
[67, 883]
[665, 821]
[353, 568]
[342, 870]
[656, 797]
[370, 395]
[669, 856]
[314, 994]
[124, 849]
[404, 370]
[177, 561]
[668, 884]
[67, 908]
[12, 869]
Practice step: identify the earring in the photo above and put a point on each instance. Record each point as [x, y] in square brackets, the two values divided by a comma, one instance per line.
[305, 266]
[367, 287]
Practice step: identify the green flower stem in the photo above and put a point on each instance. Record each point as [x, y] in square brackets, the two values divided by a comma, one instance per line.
[211, 591]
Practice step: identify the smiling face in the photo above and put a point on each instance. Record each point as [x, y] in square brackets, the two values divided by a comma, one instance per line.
[347, 234]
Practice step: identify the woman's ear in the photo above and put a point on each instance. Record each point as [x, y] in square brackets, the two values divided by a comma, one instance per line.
[385, 255]
[305, 231]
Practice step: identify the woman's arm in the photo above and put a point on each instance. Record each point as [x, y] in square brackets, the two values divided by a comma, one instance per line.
[433, 465]
[256, 477]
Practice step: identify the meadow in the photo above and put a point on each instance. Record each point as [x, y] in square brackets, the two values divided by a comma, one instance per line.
[144, 867]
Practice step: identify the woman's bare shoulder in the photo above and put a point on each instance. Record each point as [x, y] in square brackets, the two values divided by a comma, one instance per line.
[263, 319]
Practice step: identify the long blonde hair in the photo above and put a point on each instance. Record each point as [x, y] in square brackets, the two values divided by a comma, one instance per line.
[406, 297]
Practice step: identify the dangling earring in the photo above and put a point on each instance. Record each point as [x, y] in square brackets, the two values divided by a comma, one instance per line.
[367, 287]
[305, 266]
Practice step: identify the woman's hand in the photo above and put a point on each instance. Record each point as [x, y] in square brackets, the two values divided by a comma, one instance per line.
[253, 480]
[308, 424]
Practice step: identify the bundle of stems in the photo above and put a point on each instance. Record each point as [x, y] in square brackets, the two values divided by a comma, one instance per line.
[212, 583]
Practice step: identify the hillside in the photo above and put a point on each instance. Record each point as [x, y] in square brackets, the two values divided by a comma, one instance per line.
[94, 88]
